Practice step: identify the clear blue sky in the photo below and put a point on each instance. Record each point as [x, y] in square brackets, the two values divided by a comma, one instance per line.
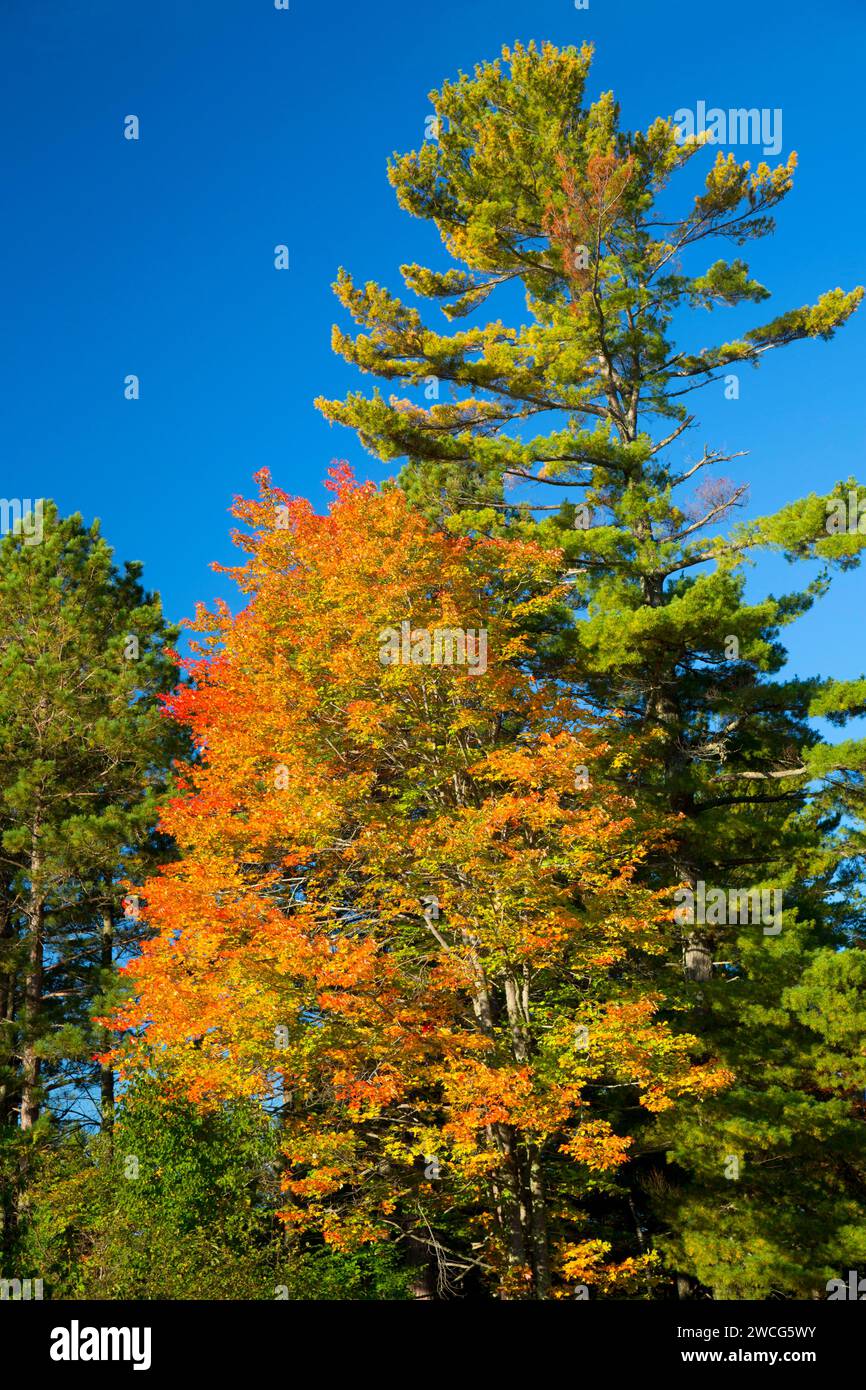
[260, 126]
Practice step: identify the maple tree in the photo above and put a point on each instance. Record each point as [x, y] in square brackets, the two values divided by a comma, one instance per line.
[405, 914]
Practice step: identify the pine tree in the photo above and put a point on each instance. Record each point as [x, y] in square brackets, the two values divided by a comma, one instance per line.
[84, 759]
[532, 189]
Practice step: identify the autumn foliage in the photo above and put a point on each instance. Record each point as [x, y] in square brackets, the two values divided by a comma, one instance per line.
[407, 914]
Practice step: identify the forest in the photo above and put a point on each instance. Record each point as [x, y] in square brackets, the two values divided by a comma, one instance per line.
[473, 910]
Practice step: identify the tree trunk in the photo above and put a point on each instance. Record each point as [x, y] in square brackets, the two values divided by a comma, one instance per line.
[32, 1012]
[424, 1283]
[33, 987]
[540, 1244]
[7, 1007]
[106, 1074]
[697, 957]
[531, 1176]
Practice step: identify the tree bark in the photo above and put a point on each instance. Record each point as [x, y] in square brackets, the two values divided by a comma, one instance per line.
[7, 1005]
[33, 983]
[697, 957]
[106, 1074]
[531, 1175]
[32, 1010]
[540, 1243]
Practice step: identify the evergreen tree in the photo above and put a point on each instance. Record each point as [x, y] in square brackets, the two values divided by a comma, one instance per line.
[84, 759]
[532, 189]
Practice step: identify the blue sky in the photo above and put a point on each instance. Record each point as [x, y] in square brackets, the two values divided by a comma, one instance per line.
[261, 127]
